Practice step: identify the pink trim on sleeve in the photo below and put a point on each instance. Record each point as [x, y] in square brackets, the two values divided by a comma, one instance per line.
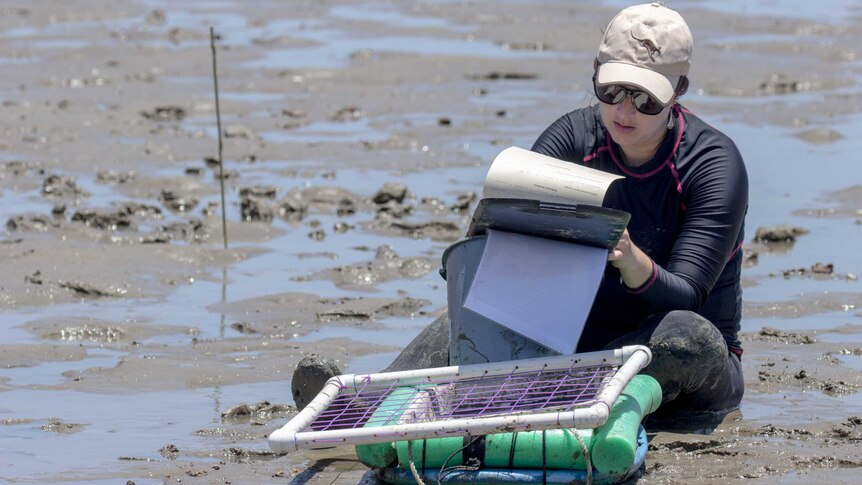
[642, 288]
[733, 253]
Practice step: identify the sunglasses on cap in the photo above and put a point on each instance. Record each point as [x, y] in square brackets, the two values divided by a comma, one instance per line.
[615, 94]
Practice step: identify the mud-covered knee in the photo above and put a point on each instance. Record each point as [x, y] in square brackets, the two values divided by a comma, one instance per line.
[683, 332]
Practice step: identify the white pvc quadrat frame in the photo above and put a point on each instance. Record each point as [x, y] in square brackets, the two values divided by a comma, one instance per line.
[631, 359]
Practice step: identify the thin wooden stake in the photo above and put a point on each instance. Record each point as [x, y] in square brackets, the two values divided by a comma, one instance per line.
[218, 122]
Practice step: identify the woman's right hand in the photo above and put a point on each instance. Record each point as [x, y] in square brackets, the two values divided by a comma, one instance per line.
[634, 265]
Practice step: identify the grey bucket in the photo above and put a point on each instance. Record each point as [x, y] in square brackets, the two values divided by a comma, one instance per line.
[474, 339]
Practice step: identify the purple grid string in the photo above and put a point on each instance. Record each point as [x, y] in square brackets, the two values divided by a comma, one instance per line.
[525, 392]
[598, 385]
[352, 409]
[501, 388]
[371, 406]
[466, 395]
[535, 396]
[559, 383]
[532, 391]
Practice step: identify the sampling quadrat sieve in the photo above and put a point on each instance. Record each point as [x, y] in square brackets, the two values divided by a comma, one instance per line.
[566, 391]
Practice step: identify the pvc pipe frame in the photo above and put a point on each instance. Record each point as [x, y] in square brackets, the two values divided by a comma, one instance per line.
[631, 359]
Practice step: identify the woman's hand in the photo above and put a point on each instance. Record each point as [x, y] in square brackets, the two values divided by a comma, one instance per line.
[634, 265]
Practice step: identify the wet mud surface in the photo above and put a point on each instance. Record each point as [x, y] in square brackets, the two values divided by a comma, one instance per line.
[136, 348]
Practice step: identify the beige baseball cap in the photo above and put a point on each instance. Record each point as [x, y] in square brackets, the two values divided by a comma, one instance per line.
[648, 46]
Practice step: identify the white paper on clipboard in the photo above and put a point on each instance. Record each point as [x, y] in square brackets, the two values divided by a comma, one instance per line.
[523, 174]
[540, 288]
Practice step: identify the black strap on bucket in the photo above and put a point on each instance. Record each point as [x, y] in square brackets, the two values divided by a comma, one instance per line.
[544, 460]
[474, 448]
[512, 450]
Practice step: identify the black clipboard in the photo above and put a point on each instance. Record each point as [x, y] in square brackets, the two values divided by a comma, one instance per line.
[576, 223]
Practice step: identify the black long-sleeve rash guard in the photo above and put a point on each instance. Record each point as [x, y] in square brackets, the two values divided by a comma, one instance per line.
[688, 207]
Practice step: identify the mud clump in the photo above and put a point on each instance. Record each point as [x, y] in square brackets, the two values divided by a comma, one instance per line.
[780, 84]
[36, 223]
[256, 209]
[263, 410]
[62, 428]
[62, 187]
[239, 131]
[90, 290]
[310, 376]
[176, 202]
[241, 455]
[193, 230]
[99, 220]
[390, 191]
[387, 265]
[100, 334]
[349, 113]
[112, 177]
[462, 203]
[165, 113]
[818, 268]
[503, 76]
[292, 208]
[779, 234]
[435, 230]
[770, 430]
[169, 451]
[120, 219]
[713, 446]
[819, 136]
[776, 335]
[263, 191]
[820, 271]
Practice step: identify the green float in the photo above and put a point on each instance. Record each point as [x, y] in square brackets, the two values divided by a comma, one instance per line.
[381, 455]
[616, 441]
[556, 449]
[612, 447]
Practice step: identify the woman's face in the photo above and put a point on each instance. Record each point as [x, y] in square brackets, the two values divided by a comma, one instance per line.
[632, 130]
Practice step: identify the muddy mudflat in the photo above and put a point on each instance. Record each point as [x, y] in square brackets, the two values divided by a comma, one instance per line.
[136, 348]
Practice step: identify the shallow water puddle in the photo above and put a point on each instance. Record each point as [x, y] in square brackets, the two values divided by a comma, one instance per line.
[823, 321]
[851, 340]
[853, 361]
[369, 364]
[335, 44]
[122, 427]
[389, 17]
[52, 373]
[16, 203]
[836, 11]
[793, 407]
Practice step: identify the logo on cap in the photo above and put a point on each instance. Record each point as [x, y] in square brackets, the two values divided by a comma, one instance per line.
[649, 45]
